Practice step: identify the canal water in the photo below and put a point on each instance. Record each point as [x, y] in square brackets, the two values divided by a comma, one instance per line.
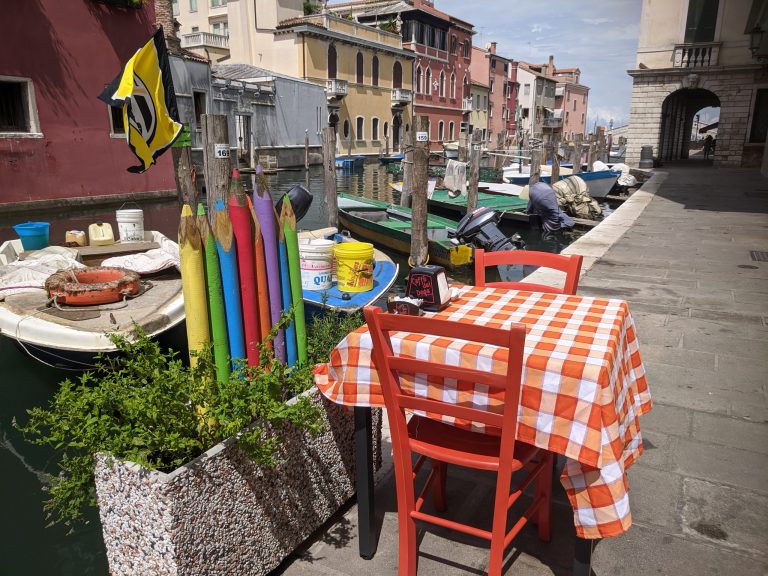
[27, 546]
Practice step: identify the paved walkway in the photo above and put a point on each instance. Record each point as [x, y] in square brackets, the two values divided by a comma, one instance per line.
[699, 494]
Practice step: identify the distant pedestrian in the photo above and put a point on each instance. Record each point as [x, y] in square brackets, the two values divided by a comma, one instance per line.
[708, 145]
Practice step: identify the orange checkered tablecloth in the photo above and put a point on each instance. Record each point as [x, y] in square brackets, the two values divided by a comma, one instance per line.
[584, 387]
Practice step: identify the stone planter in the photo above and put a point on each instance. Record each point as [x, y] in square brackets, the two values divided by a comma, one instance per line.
[223, 514]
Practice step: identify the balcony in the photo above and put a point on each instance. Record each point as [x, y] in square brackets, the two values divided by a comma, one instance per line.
[401, 97]
[699, 55]
[466, 104]
[552, 123]
[335, 88]
[205, 40]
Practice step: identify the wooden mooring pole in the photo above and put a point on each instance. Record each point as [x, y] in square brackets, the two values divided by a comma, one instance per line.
[217, 165]
[577, 153]
[329, 175]
[405, 195]
[306, 149]
[474, 170]
[555, 160]
[419, 239]
[535, 166]
[185, 185]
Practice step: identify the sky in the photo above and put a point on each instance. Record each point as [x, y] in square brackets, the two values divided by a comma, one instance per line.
[597, 36]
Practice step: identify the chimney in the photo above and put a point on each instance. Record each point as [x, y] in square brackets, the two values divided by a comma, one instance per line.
[491, 47]
[551, 66]
[164, 17]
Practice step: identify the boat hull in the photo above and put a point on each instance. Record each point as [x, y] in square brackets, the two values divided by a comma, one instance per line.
[599, 183]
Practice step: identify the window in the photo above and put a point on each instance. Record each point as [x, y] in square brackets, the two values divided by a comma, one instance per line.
[440, 130]
[493, 63]
[760, 117]
[526, 90]
[582, 118]
[467, 48]
[477, 101]
[490, 109]
[220, 27]
[584, 99]
[492, 83]
[375, 71]
[440, 39]
[195, 29]
[346, 128]
[419, 29]
[193, 5]
[454, 43]
[418, 80]
[430, 35]
[442, 84]
[451, 128]
[116, 124]
[216, 3]
[360, 135]
[397, 75]
[332, 61]
[453, 85]
[18, 112]
[386, 130]
[374, 129]
[574, 105]
[359, 67]
[428, 82]
[485, 102]
[568, 97]
[175, 7]
[701, 22]
[198, 103]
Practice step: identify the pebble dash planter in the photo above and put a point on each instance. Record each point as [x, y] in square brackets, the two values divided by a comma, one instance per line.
[223, 514]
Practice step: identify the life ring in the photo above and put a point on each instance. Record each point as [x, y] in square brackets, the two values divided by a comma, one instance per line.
[92, 286]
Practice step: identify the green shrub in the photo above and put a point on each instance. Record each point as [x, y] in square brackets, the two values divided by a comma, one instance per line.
[146, 406]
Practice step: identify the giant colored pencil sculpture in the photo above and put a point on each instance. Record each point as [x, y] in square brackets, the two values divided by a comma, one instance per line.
[246, 266]
[230, 282]
[294, 270]
[285, 290]
[193, 283]
[265, 212]
[216, 312]
[262, 291]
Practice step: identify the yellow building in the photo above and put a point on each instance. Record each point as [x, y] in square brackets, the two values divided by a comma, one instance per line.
[367, 74]
[478, 118]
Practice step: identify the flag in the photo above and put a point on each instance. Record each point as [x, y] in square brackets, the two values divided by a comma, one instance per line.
[144, 90]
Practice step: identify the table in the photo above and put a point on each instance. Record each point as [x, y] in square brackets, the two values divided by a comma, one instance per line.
[584, 389]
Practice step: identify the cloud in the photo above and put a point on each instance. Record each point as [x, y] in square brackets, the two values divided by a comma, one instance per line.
[596, 21]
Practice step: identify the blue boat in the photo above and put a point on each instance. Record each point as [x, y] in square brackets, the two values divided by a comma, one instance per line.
[391, 158]
[599, 183]
[349, 162]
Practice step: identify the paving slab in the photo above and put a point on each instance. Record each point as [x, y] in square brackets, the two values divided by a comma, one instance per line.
[725, 465]
[725, 431]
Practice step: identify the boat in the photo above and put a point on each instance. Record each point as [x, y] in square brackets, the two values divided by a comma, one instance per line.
[391, 158]
[390, 226]
[599, 182]
[71, 336]
[349, 162]
[384, 276]
[451, 149]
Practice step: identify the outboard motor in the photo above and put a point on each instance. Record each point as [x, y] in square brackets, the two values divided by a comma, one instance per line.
[300, 198]
[480, 227]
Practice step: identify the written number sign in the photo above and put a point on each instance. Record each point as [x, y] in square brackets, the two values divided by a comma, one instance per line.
[422, 136]
[221, 150]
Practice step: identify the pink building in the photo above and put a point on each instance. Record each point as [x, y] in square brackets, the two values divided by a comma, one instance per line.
[493, 70]
[512, 90]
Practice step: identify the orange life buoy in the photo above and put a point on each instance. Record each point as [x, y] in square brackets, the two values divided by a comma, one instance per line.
[92, 286]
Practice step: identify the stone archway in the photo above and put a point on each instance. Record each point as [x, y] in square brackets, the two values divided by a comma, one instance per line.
[677, 113]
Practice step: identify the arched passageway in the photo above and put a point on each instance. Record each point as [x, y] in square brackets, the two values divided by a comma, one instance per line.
[677, 114]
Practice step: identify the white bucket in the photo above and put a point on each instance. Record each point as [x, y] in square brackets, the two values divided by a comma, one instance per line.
[130, 225]
[316, 262]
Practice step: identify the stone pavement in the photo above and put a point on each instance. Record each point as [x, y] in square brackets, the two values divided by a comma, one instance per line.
[679, 251]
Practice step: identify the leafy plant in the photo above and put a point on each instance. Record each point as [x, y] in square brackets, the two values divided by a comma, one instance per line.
[310, 8]
[389, 26]
[146, 406]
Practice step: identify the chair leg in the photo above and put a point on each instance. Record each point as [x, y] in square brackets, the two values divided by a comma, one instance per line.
[407, 540]
[544, 490]
[499, 528]
[438, 486]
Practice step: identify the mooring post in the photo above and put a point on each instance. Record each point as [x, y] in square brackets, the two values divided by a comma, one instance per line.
[306, 149]
[555, 159]
[577, 153]
[405, 195]
[419, 240]
[474, 170]
[185, 185]
[462, 155]
[590, 156]
[535, 166]
[329, 175]
[217, 164]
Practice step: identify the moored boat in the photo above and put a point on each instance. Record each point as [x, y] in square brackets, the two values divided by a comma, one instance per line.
[349, 162]
[70, 336]
[391, 158]
[599, 182]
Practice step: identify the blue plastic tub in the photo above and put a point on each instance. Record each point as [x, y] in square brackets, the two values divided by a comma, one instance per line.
[34, 235]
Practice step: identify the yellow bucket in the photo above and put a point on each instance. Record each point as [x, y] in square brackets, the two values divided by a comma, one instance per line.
[354, 266]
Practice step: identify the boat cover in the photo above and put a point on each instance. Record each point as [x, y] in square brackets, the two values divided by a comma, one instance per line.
[151, 261]
[30, 274]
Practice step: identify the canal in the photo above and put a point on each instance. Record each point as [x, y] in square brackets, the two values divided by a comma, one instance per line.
[27, 546]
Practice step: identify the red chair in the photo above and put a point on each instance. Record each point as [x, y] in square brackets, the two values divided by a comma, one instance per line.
[571, 265]
[444, 444]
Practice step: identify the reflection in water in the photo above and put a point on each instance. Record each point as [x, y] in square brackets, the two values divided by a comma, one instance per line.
[26, 546]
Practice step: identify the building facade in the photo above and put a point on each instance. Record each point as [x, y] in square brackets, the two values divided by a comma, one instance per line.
[696, 54]
[442, 46]
[57, 140]
[536, 95]
[491, 69]
[571, 100]
[478, 118]
[205, 27]
[513, 105]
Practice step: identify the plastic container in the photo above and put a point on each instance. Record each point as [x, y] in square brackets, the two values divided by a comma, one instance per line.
[316, 262]
[100, 234]
[75, 238]
[33, 235]
[354, 266]
[130, 225]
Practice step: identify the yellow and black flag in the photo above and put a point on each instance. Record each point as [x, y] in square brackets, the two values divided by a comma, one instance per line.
[144, 90]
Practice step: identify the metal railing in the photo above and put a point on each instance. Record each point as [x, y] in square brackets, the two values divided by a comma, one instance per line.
[335, 87]
[205, 39]
[698, 55]
[552, 122]
[401, 96]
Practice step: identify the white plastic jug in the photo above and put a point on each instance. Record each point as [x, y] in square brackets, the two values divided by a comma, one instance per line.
[130, 225]
[316, 262]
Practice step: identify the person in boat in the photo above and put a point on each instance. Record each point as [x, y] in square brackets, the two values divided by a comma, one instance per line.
[542, 202]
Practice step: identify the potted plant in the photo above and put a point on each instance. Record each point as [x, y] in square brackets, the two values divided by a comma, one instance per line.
[195, 476]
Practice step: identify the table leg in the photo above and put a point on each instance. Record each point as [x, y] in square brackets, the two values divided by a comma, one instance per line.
[582, 557]
[364, 482]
